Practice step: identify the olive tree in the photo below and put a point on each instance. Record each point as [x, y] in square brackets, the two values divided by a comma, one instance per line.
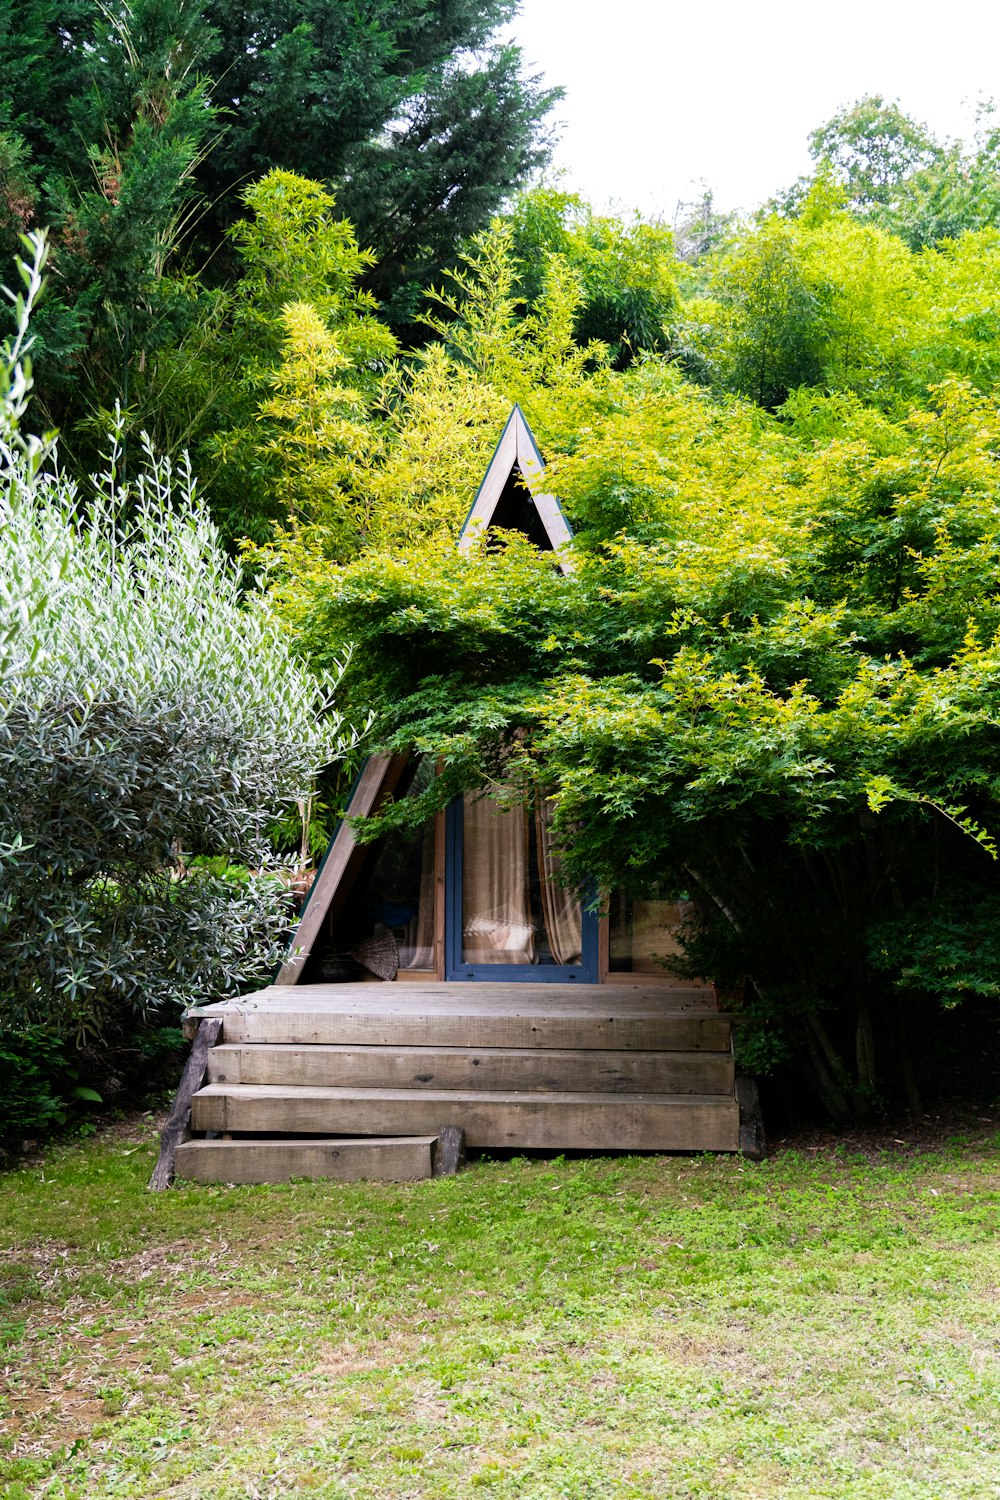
[151, 709]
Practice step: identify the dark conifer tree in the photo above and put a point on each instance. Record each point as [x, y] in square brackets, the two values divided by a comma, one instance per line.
[133, 129]
[435, 177]
[420, 122]
[103, 140]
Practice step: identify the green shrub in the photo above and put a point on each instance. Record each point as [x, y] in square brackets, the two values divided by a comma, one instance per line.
[150, 710]
[40, 1084]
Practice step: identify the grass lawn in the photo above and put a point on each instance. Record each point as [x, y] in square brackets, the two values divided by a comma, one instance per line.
[817, 1325]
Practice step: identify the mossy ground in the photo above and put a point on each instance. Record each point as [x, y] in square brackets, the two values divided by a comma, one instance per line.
[820, 1324]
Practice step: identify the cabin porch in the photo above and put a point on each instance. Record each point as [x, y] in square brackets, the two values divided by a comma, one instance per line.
[352, 1080]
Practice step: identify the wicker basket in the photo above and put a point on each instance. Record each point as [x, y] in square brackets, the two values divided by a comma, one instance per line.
[379, 955]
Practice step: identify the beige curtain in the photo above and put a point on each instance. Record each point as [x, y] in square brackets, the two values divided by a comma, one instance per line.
[496, 915]
[418, 952]
[562, 910]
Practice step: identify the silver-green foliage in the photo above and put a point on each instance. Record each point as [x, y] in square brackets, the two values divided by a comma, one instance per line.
[149, 709]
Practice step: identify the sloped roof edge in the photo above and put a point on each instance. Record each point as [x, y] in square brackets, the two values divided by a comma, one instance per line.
[518, 450]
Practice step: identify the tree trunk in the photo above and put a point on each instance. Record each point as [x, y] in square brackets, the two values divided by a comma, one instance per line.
[864, 1048]
[914, 1103]
[830, 1094]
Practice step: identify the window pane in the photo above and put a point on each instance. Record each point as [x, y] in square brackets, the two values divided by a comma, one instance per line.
[514, 911]
[394, 891]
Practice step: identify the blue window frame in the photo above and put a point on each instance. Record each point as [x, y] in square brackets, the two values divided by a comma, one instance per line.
[584, 972]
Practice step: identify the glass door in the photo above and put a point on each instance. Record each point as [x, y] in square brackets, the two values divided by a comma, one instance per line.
[507, 917]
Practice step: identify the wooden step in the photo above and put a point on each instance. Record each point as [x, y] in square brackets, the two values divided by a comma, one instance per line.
[544, 1121]
[388, 1160]
[487, 1015]
[551, 1070]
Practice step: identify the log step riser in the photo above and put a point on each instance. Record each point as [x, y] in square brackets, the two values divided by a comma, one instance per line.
[576, 1033]
[408, 1160]
[541, 1122]
[517, 1070]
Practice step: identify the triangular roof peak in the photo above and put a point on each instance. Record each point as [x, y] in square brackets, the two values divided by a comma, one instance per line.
[517, 457]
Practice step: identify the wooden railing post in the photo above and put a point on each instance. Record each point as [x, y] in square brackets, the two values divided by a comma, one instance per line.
[178, 1126]
[449, 1151]
[753, 1142]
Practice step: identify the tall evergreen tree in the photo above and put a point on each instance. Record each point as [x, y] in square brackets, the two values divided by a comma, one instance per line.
[421, 122]
[106, 142]
[304, 80]
[133, 129]
[46, 56]
[432, 180]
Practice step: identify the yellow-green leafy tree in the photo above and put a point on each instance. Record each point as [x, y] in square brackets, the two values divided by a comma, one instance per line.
[299, 361]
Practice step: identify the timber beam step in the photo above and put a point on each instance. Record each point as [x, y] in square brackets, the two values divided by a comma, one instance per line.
[549, 1070]
[543, 1121]
[412, 1020]
[408, 1159]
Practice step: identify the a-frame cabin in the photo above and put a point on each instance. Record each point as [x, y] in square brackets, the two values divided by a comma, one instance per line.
[513, 1012]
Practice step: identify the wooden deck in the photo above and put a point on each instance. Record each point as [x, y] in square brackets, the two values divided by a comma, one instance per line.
[312, 1080]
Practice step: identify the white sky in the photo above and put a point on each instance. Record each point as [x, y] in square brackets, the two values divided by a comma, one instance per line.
[660, 97]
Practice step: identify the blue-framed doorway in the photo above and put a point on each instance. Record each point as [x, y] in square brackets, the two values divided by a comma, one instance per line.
[457, 967]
